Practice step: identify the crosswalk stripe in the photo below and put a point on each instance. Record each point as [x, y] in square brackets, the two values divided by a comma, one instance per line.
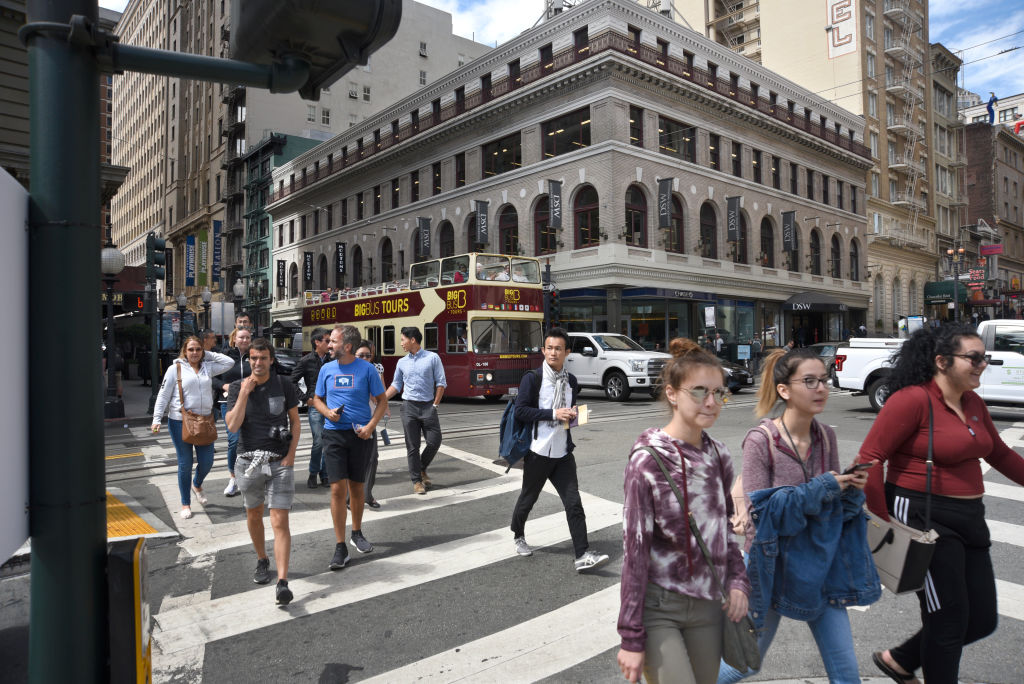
[530, 651]
[1004, 491]
[182, 629]
[1011, 599]
[1006, 533]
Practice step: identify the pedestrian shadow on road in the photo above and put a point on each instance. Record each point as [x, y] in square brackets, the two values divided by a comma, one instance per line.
[336, 673]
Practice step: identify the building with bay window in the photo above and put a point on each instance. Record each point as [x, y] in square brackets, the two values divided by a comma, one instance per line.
[616, 145]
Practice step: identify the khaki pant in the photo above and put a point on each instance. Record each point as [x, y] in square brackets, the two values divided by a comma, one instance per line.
[684, 638]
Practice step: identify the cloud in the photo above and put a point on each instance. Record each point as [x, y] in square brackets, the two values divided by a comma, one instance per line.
[488, 21]
[981, 37]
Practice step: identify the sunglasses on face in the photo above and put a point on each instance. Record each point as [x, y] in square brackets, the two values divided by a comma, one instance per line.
[812, 382]
[364, 356]
[700, 394]
[977, 359]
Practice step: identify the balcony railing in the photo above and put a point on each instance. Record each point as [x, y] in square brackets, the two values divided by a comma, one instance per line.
[903, 237]
[907, 166]
[905, 127]
[908, 199]
[603, 42]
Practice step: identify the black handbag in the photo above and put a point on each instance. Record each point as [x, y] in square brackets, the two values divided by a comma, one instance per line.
[902, 554]
[739, 639]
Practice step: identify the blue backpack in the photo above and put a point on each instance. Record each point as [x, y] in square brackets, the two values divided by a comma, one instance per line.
[514, 437]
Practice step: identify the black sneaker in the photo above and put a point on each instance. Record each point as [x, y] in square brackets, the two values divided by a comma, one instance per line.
[340, 559]
[284, 594]
[311, 482]
[360, 542]
[262, 574]
[324, 482]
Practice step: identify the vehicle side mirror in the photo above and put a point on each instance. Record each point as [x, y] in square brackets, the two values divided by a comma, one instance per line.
[589, 351]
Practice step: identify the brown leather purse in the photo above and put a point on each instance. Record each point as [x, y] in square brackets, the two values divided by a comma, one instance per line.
[195, 429]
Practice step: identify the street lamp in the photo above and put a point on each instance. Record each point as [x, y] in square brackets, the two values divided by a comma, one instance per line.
[956, 256]
[111, 265]
[207, 296]
[238, 289]
[182, 307]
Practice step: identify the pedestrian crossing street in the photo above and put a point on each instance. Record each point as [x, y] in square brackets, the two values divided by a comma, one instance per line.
[442, 597]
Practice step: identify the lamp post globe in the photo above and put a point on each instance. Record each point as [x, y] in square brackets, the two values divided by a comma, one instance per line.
[182, 302]
[238, 289]
[206, 296]
[111, 265]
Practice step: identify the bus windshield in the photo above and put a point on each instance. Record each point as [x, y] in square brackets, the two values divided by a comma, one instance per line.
[503, 336]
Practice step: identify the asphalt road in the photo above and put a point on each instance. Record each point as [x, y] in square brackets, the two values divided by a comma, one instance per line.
[444, 597]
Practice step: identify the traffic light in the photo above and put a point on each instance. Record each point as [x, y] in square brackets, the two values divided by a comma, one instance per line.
[133, 302]
[155, 257]
[554, 315]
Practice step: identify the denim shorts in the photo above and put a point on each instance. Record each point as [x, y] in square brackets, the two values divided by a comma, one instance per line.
[278, 487]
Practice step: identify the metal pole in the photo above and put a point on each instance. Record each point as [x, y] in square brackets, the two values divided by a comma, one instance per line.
[68, 622]
[154, 349]
[111, 356]
[956, 283]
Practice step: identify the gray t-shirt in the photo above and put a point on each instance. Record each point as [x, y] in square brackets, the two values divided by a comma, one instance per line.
[267, 407]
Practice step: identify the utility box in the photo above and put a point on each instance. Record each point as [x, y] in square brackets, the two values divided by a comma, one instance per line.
[131, 653]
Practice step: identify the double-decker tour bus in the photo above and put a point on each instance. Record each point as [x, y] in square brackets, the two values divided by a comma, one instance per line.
[483, 314]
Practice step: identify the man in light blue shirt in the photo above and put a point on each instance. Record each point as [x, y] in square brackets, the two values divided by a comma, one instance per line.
[419, 376]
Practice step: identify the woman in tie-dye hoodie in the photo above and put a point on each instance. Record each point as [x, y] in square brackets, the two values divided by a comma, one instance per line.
[671, 616]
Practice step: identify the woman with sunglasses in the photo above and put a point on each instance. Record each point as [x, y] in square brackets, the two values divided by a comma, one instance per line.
[808, 512]
[940, 368]
[671, 615]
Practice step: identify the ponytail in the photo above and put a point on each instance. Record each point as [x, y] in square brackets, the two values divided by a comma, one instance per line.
[778, 369]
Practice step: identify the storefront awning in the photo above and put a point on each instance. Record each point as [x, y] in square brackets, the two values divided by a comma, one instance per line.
[813, 302]
[941, 292]
[283, 327]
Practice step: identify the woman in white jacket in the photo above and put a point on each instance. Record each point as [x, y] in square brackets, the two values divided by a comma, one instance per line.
[197, 367]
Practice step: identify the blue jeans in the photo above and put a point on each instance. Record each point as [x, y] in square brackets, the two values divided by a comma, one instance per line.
[204, 458]
[232, 439]
[831, 632]
[316, 453]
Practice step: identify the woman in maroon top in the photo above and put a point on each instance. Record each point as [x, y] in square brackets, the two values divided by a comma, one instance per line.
[941, 367]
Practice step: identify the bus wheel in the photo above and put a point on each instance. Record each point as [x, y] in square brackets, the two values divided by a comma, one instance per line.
[492, 398]
[616, 387]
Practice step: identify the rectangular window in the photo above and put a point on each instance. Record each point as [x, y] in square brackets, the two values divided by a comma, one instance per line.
[714, 143]
[388, 341]
[677, 139]
[329, 212]
[839, 193]
[514, 75]
[344, 212]
[794, 178]
[376, 200]
[455, 339]
[460, 169]
[567, 133]
[871, 65]
[547, 59]
[853, 198]
[662, 52]
[394, 193]
[824, 189]
[502, 155]
[869, 26]
[291, 231]
[423, 77]
[810, 183]
[636, 126]
[325, 116]
[366, 93]
[359, 206]
[581, 42]
[311, 113]
[777, 173]
[737, 160]
[414, 186]
[873, 144]
[873, 104]
[755, 164]
[436, 171]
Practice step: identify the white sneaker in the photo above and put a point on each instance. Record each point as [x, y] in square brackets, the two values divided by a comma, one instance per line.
[186, 512]
[522, 548]
[231, 489]
[590, 560]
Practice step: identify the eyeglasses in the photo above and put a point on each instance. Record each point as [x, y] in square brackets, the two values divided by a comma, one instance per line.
[364, 356]
[700, 394]
[812, 382]
[977, 359]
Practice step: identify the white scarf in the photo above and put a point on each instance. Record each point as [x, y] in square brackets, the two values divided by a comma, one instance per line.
[560, 379]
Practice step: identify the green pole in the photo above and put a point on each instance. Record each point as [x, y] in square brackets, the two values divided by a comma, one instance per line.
[68, 628]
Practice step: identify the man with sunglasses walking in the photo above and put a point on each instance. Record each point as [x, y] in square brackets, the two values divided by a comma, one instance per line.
[547, 400]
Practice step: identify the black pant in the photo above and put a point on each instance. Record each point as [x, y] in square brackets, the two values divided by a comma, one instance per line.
[417, 417]
[958, 602]
[562, 472]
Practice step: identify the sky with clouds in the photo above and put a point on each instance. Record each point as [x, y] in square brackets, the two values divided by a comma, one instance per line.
[989, 32]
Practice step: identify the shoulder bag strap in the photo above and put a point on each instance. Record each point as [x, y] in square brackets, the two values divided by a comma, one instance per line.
[771, 454]
[929, 463]
[181, 394]
[693, 523]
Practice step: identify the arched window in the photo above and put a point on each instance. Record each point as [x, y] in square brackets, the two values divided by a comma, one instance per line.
[740, 249]
[446, 239]
[767, 243]
[815, 256]
[508, 230]
[913, 308]
[322, 272]
[835, 260]
[293, 281]
[897, 299]
[586, 217]
[675, 241]
[545, 238]
[794, 255]
[878, 300]
[636, 217]
[357, 266]
[854, 260]
[708, 231]
[387, 261]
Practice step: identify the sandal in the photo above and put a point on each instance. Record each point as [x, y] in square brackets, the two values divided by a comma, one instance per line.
[889, 670]
[186, 512]
[200, 497]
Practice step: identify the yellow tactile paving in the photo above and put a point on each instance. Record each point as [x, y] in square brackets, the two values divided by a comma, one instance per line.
[122, 521]
[116, 456]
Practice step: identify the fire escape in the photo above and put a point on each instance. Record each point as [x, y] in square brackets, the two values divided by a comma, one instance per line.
[737, 24]
[905, 121]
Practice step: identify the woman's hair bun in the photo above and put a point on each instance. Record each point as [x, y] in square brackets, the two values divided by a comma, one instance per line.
[682, 346]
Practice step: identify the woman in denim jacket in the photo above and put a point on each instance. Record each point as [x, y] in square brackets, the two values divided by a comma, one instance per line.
[809, 523]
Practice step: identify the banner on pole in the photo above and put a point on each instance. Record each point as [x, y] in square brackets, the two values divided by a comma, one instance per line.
[665, 202]
[789, 231]
[307, 267]
[732, 219]
[190, 261]
[280, 272]
[423, 243]
[215, 267]
[481, 222]
[555, 203]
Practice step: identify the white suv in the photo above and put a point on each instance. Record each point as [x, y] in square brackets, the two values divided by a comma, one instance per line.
[614, 363]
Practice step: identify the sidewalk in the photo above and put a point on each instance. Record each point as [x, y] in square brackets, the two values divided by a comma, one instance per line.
[136, 405]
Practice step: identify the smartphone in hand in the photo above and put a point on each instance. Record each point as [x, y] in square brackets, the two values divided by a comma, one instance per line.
[856, 467]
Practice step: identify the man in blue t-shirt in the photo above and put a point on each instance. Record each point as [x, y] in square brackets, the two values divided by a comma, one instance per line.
[344, 388]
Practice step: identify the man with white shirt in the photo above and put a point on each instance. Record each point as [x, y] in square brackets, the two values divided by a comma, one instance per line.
[546, 399]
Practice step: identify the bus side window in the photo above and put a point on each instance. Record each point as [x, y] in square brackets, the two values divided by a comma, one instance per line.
[389, 340]
[455, 338]
[430, 336]
[373, 334]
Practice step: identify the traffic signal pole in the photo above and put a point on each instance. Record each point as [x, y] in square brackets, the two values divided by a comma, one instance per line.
[67, 510]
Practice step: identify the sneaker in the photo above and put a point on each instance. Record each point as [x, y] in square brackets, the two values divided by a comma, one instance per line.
[231, 489]
[284, 594]
[373, 503]
[360, 542]
[340, 559]
[590, 560]
[419, 488]
[424, 478]
[262, 574]
[311, 483]
[522, 548]
[186, 512]
[324, 482]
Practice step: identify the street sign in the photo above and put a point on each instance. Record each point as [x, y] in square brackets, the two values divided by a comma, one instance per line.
[549, 287]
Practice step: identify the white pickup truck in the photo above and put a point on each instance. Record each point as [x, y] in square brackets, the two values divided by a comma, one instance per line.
[864, 365]
[614, 363]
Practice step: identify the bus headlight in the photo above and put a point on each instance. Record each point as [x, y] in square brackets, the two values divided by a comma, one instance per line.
[489, 377]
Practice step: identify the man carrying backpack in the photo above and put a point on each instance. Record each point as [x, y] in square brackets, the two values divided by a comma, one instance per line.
[546, 401]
